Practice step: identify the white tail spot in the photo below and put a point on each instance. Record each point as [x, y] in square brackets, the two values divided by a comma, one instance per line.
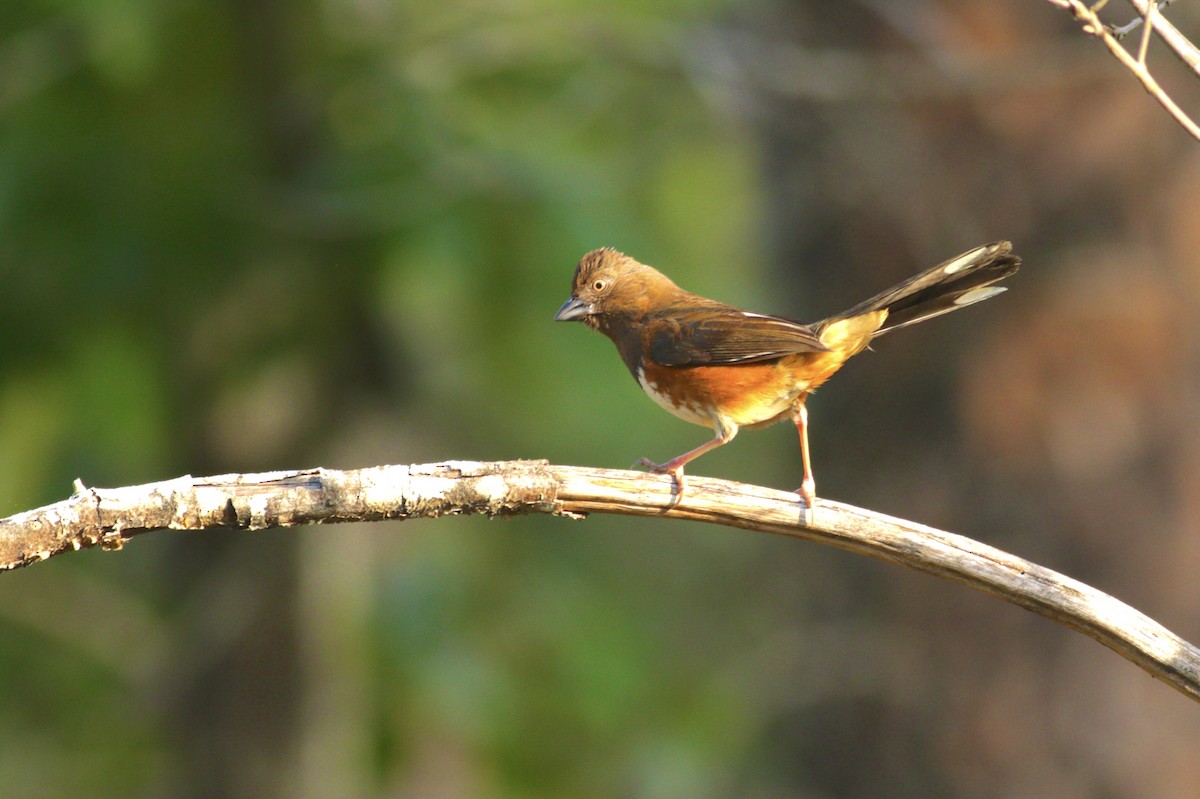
[962, 261]
[978, 295]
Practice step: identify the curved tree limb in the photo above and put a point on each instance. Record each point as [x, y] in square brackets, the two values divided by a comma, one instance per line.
[109, 517]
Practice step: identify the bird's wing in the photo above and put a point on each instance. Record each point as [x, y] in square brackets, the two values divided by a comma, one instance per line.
[721, 334]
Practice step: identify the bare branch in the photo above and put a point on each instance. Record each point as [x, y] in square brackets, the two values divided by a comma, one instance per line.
[1144, 46]
[1179, 44]
[109, 517]
[1093, 26]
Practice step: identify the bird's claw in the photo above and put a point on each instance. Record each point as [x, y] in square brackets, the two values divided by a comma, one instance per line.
[676, 472]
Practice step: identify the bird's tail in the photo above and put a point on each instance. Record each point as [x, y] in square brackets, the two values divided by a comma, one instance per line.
[957, 283]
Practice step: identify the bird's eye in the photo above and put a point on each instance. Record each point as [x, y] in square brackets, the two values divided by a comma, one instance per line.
[599, 285]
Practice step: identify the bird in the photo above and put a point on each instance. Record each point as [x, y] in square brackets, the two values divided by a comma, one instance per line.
[726, 368]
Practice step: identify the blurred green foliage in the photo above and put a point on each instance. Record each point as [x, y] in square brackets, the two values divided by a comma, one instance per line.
[245, 236]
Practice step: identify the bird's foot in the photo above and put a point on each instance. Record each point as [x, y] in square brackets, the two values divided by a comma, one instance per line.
[670, 467]
[808, 492]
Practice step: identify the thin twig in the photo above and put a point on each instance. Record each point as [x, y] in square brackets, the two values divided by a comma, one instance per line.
[1093, 26]
[109, 517]
[1176, 41]
[1144, 46]
[1129, 27]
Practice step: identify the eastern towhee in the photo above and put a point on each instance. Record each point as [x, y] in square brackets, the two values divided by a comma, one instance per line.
[724, 368]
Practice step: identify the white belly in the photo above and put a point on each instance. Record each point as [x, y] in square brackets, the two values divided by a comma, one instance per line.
[689, 413]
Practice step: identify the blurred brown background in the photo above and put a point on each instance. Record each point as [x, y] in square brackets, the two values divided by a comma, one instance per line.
[241, 236]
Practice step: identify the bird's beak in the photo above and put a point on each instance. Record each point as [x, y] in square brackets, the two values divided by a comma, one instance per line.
[574, 309]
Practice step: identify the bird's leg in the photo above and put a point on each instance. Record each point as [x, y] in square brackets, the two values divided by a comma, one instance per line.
[674, 467]
[808, 488]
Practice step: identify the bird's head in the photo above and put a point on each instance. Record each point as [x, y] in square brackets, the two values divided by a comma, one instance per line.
[609, 284]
